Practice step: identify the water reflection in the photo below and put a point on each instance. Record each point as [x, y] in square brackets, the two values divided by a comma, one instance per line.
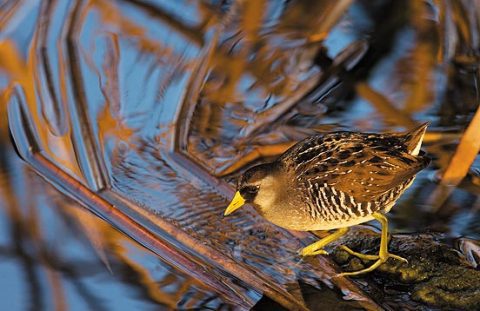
[149, 109]
[56, 255]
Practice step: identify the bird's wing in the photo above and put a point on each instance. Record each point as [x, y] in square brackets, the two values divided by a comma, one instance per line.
[359, 169]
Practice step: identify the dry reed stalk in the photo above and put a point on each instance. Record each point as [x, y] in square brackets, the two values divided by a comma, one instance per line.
[465, 154]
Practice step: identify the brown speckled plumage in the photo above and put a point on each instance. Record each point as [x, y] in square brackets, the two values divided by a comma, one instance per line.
[335, 180]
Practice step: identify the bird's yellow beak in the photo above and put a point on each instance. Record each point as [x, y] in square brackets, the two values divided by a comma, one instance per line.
[236, 203]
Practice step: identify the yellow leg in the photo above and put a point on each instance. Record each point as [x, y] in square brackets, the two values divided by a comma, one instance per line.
[317, 247]
[383, 254]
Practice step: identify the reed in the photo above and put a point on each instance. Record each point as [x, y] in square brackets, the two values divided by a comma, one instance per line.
[466, 152]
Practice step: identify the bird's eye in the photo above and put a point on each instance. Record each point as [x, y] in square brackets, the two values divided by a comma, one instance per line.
[249, 191]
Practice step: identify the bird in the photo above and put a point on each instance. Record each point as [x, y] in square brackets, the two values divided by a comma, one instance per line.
[334, 181]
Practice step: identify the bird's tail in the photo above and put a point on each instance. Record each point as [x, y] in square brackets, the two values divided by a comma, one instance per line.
[414, 138]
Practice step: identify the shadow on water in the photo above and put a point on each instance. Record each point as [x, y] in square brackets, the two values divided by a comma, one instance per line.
[145, 113]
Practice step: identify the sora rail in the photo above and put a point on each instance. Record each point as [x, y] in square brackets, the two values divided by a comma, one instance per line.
[334, 181]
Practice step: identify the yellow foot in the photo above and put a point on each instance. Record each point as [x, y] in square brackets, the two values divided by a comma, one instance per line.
[317, 247]
[380, 259]
[371, 257]
[311, 250]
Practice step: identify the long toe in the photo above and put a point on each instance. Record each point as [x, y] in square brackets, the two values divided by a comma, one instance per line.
[359, 255]
[398, 258]
[378, 263]
[312, 251]
[363, 271]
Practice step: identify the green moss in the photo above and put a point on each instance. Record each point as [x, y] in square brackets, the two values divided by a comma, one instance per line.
[436, 275]
[458, 288]
[355, 264]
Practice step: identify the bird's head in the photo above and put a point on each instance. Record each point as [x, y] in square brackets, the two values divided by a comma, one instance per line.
[256, 186]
